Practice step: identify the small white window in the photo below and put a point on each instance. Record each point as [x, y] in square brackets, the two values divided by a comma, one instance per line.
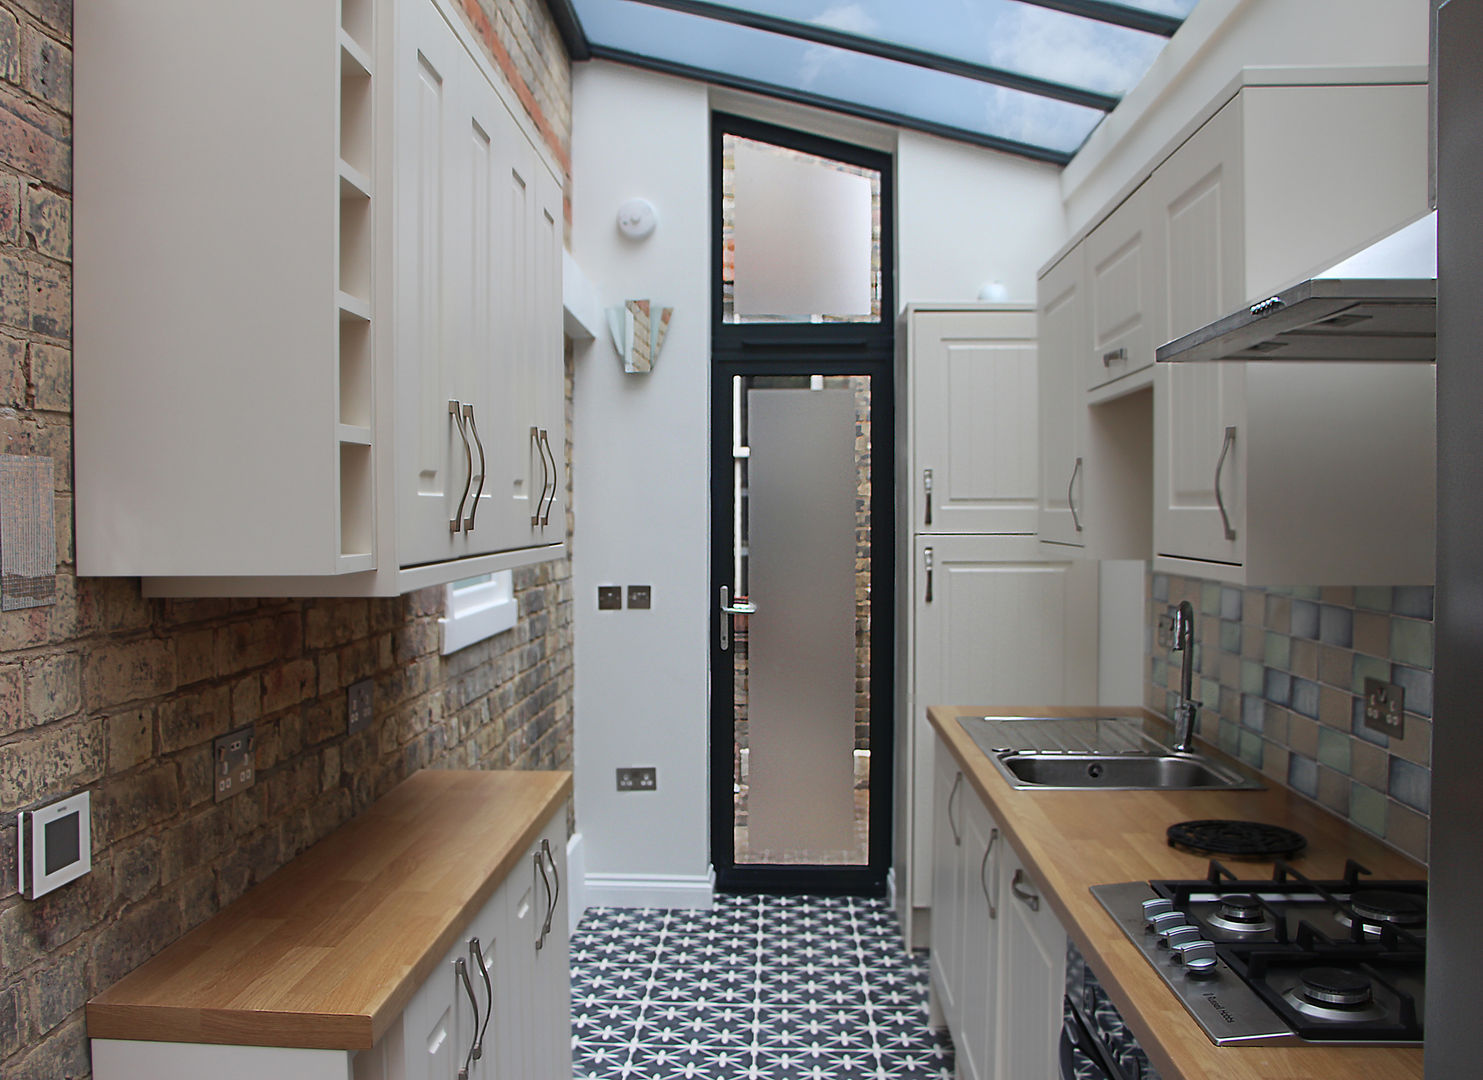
[478, 608]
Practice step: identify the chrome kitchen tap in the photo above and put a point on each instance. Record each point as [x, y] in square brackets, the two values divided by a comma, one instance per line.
[1183, 618]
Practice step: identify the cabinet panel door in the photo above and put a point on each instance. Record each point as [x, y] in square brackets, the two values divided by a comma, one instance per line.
[948, 793]
[551, 985]
[982, 910]
[1063, 336]
[1197, 196]
[1034, 979]
[1005, 626]
[1121, 283]
[515, 1052]
[975, 422]
[549, 377]
[436, 1025]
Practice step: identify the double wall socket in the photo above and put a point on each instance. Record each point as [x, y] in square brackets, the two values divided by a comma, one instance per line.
[232, 760]
[610, 597]
[644, 779]
[360, 706]
[1385, 708]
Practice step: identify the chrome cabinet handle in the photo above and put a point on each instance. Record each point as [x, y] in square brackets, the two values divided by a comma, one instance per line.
[477, 955]
[927, 484]
[468, 414]
[543, 926]
[729, 609]
[556, 895]
[535, 441]
[993, 836]
[927, 559]
[455, 411]
[546, 444]
[1220, 503]
[951, 795]
[1031, 900]
[463, 974]
[1070, 488]
[1115, 356]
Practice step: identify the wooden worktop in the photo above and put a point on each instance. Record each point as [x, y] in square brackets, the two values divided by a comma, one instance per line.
[327, 952]
[1072, 840]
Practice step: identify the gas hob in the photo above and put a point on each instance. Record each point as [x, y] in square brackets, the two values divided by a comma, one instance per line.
[1285, 958]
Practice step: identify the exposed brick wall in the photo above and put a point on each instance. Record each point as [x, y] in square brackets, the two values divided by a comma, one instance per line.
[122, 696]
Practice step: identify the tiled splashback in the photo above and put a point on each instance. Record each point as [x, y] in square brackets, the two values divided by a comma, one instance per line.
[1281, 672]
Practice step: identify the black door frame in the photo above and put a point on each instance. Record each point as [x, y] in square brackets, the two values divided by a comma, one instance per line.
[806, 349]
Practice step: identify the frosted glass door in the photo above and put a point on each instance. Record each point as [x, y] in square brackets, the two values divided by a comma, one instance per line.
[803, 564]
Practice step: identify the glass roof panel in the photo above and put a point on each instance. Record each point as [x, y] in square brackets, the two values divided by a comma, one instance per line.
[843, 77]
[1177, 8]
[1022, 38]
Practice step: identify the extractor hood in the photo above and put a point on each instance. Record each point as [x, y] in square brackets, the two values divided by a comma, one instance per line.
[1380, 304]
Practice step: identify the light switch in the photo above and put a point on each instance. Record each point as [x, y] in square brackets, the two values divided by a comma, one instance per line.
[609, 597]
[638, 597]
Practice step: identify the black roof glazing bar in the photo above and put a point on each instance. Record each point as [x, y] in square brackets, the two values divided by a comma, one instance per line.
[1150, 22]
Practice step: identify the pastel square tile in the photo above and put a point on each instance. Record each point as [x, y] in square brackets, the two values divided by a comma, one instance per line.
[1411, 642]
[1253, 712]
[1277, 651]
[1335, 666]
[1368, 809]
[1419, 687]
[1336, 626]
[1411, 784]
[1333, 749]
[1304, 697]
[1363, 730]
[1230, 737]
[1278, 614]
[1368, 667]
[1161, 587]
[1230, 636]
[1417, 601]
[1231, 602]
[1209, 691]
[1373, 597]
[1277, 686]
[1304, 619]
[1307, 592]
[1250, 749]
[1302, 775]
[1372, 633]
[1209, 598]
[1251, 677]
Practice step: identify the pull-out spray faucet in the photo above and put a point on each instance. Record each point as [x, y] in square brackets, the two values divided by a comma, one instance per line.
[1183, 618]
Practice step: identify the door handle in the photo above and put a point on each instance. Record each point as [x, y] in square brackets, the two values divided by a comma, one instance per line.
[556, 894]
[545, 924]
[468, 414]
[951, 795]
[1032, 901]
[1070, 490]
[463, 974]
[927, 559]
[546, 446]
[1220, 503]
[993, 836]
[927, 485]
[535, 442]
[729, 609]
[455, 411]
[477, 955]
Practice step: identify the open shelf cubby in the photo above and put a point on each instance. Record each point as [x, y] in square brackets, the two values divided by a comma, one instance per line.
[356, 517]
[355, 244]
[355, 372]
[356, 21]
[355, 109]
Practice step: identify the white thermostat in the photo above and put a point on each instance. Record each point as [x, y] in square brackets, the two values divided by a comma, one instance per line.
[55, 846]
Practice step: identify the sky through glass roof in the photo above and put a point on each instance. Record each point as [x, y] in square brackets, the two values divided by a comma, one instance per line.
[1030, 77]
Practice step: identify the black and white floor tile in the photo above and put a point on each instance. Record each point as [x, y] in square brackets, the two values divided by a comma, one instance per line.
[759, 988]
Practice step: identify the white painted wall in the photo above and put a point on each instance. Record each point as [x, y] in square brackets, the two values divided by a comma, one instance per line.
[1216, 42]
[640, 483]
[966, 216]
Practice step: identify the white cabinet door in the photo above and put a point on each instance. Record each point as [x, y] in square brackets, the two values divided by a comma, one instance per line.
[1063, 343]
[982, 910]
[1034, 979]
[975, 422]
[1122, 291]
[437, 1024]
[551, 1031]
[946, 958]
[999, 623]
[1199, 448]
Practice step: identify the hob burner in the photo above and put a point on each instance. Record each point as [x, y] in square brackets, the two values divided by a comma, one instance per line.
[1236, 839]
[1383, 906]
[1241, 913]
[1334, 994]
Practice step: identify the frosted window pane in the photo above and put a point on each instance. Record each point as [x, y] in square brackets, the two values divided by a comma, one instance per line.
[802, 236]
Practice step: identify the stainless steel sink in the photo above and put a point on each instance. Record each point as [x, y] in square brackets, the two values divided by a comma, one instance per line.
[1102, 752]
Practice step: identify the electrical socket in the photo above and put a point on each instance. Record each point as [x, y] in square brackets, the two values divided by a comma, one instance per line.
[233, 762]
[360, 705]
[639, 597]
[642, 779]
[609, 597]
[1385, 708]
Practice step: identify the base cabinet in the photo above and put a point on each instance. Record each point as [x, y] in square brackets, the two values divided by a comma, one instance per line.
[998, 953]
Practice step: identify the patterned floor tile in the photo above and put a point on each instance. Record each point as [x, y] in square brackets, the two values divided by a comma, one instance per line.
[758, 988]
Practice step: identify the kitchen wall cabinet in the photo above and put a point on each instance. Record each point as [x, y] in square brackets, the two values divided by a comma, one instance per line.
[975, 440]
[1269, 473]
[998, 964]
[265, 371]
[1122, 289]
[1062, 320]
[995, 621]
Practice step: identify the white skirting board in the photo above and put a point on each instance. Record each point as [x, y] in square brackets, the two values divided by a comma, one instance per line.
[651, 890]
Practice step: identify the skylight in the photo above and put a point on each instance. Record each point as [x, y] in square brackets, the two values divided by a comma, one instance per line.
[1030, 76]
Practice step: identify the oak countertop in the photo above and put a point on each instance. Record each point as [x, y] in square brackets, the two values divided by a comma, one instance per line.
[1072, 840]
[326, 952]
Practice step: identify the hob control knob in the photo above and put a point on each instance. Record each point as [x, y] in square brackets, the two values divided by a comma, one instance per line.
[1181, 934]
[1157, 906]
[1167, 920]
[1197, 956]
